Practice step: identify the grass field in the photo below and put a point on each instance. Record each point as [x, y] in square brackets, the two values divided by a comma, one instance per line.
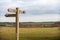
[8, 33]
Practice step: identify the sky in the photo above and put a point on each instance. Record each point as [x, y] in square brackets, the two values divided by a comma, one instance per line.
[36, 10]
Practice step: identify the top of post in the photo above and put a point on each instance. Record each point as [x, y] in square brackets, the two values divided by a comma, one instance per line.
[16, 7]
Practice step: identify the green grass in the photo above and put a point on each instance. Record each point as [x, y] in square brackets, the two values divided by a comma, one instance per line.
[8, 33]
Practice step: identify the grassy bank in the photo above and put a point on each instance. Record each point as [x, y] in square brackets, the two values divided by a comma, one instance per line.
[8, 33]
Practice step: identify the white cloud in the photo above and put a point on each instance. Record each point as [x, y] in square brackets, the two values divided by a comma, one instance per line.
[33, 18]
[36, 3]
[40, 2]
[7, 19]
[33, 7]
[5, 0]
[13, 5]
[41, 18]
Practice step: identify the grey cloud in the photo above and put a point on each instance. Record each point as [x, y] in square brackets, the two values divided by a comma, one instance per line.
[38, 9]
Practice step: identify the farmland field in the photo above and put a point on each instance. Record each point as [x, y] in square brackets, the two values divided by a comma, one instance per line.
[8, 33]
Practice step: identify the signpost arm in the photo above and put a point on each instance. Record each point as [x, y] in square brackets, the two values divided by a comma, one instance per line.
[17, 24]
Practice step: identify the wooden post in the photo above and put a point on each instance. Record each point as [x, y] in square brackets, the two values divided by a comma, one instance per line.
[17, 24]
[17, 19]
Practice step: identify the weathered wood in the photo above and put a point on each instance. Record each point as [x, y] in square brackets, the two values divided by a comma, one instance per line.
[17, 24]
[10, 15]
[17, 11]
[13, 10]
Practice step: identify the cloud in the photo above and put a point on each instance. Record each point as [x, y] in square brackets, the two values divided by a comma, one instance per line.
[5, 0]
[33, 18]
[38, 8]
[34, 7]
[41, 18]
[7, 19]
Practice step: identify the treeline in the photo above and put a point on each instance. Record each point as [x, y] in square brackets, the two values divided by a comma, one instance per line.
[56, 24]
[30, 24]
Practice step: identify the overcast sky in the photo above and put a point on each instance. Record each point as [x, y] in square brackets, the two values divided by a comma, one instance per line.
[36, 10]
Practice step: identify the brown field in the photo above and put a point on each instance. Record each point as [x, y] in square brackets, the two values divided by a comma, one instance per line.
[8, 33]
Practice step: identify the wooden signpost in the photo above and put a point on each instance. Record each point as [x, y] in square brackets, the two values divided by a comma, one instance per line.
[17, 11]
